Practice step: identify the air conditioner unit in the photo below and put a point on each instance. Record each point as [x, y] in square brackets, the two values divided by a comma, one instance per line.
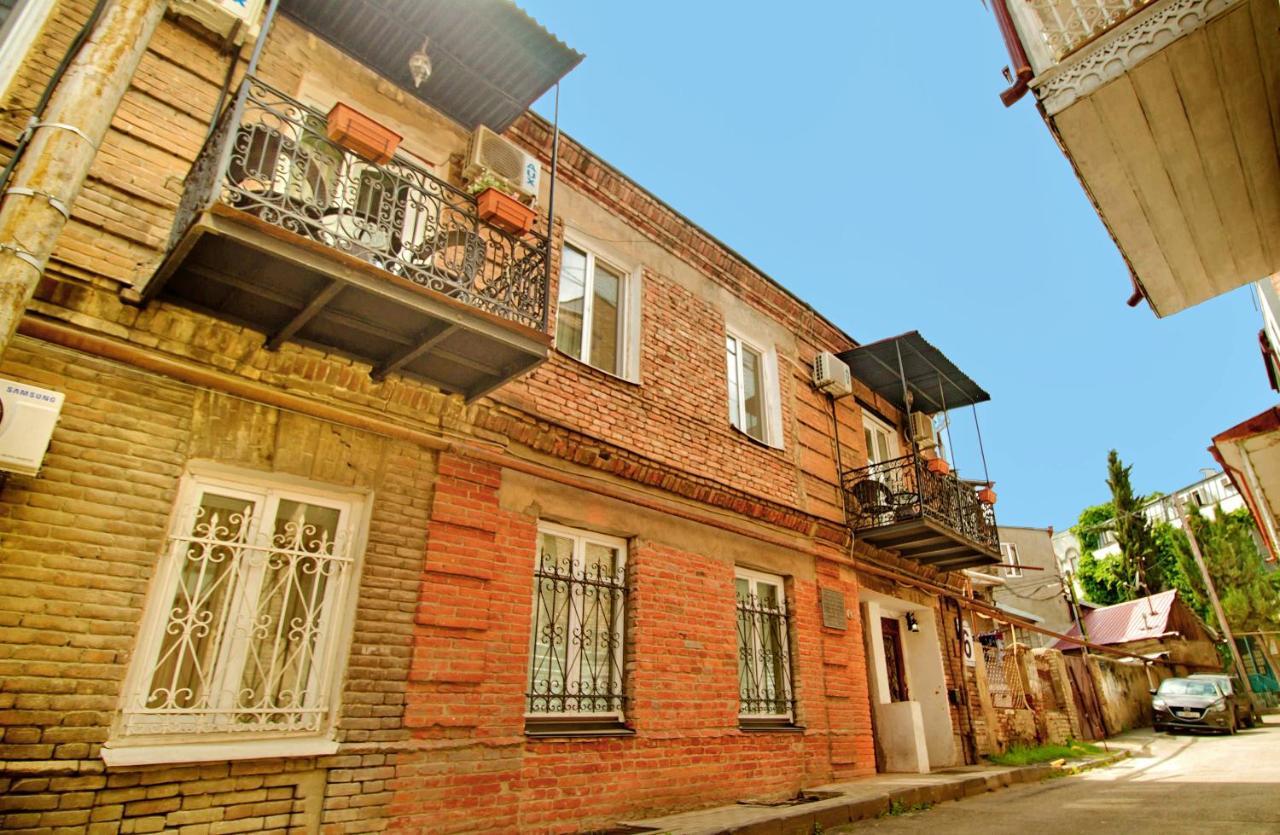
[223, 17]
[490, 152]
[922, 430]
[27, 417]
[831, 375]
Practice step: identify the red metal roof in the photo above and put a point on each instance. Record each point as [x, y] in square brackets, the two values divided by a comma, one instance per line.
[1136, 620]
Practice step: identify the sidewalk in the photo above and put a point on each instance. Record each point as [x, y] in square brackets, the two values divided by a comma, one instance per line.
[840, 803]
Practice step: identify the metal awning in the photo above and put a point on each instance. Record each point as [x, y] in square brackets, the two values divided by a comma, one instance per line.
[933, 380]
[490, 60]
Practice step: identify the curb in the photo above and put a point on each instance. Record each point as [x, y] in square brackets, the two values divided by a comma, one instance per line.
[837, 811]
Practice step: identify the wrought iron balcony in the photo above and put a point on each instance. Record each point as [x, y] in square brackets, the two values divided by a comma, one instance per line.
[934, 518]
[284, 231]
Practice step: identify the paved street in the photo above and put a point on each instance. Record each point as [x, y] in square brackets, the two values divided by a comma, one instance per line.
[1199, 784]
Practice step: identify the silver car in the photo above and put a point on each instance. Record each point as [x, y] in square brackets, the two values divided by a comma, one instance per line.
[1247, 715]
[1192, 704]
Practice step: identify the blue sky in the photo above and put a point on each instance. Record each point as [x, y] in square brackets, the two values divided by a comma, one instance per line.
[956, 217]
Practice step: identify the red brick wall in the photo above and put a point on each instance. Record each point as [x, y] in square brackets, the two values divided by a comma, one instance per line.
[473, 767]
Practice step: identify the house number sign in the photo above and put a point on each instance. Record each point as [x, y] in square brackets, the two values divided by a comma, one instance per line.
[833, 614]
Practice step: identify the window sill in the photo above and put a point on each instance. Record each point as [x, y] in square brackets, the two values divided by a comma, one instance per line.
[608, 375]
[167, 753]
[542, 728]
[755, 440]
[770, 726]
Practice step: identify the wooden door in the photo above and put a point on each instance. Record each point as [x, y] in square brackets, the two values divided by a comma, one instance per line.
[1085, 697]
[893, 661]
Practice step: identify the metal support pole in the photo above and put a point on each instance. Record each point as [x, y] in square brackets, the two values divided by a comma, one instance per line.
[46, 182]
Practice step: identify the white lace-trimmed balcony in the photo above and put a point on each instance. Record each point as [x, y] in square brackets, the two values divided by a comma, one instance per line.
[1168, 111]
[246, 624]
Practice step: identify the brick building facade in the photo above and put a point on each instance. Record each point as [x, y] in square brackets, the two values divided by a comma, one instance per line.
[400, 631]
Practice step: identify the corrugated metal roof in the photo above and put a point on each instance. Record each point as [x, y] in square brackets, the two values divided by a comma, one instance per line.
[489, 59]
[934, 381]
[1135, 620]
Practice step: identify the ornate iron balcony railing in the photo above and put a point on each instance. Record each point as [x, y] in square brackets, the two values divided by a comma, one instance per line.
[905, 489]
[269, 157]
[1064, 26]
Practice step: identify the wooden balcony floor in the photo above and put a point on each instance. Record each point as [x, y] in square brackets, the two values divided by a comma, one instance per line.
[930, 543]
[293, 289]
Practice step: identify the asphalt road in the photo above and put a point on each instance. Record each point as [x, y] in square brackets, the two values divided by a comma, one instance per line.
[1170, 784]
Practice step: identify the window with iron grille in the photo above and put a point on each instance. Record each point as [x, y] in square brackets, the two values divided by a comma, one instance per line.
[244, 629]
[764, 648]
[579, 614]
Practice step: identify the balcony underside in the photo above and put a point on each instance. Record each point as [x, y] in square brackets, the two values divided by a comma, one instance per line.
[930, 543]
[1172, 127]
[236, 267]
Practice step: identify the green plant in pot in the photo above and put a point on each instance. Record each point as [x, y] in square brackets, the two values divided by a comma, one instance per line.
[497, 204]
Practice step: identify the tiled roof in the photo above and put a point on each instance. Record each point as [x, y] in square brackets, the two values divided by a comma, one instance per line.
[1136, 620]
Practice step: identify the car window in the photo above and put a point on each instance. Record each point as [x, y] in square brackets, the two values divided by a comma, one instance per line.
[1186, 687]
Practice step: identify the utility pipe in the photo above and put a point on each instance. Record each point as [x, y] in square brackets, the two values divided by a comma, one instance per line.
[50, 176]
[146, 359]
[1022, 73]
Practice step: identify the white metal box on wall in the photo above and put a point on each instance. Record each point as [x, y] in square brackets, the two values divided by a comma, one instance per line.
[222, 17]
[27, 417]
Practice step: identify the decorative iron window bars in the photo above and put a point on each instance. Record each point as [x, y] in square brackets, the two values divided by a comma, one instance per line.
[764, 649]
[269, 157]
[904, 488]
[244, 639]
[579, 609]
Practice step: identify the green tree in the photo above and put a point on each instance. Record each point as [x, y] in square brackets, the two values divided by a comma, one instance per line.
[1140, 558]
[1250, 598]
[1102, 579]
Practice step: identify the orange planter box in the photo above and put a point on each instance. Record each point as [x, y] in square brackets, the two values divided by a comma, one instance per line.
[504, 211]
[361, 135]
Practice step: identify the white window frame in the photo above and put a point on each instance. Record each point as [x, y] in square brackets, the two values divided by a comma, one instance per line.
[142, 739]
[874, 425]
[629, 298]
[755, 579]
[581, 538]
[770, 391]
[1009, 551]
[18, 37]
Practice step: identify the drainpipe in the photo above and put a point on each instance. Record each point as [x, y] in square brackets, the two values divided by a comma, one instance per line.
[1022, 73]
[49, 177]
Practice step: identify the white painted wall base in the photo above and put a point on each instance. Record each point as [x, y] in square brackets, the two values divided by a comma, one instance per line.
[900, 727]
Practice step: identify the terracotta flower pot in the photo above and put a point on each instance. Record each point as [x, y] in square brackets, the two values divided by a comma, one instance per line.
[504, 211]
[361, 135]
[987, 496]
[939, 466]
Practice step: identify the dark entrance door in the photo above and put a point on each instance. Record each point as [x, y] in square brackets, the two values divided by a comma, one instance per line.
[893, 660]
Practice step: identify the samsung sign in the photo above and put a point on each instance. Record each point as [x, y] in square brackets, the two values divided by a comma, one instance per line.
[27, 417]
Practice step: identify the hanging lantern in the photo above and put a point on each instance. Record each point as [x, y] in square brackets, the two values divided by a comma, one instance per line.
[420, 64]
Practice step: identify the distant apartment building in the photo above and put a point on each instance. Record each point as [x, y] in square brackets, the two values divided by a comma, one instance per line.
[1032, 583]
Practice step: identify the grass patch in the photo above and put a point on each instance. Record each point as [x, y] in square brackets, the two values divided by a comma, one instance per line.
[1028, 755]
[898, 808]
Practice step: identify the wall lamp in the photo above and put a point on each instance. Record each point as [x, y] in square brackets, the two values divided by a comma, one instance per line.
[912, 625]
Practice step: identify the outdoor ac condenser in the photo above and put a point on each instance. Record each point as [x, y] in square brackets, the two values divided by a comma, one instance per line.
[831, 375]
[222, 17]
[490, 152]
[27, 417]
[922, 430]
